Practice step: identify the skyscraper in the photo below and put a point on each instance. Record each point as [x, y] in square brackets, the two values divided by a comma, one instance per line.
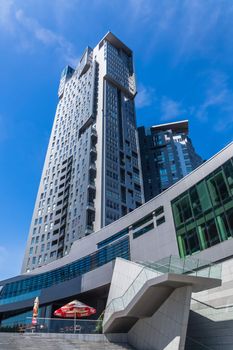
[91, 174]
[167, 155]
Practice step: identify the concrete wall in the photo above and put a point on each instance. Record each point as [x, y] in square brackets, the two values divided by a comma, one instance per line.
[166, 329]
[123, 276]
[211, 318]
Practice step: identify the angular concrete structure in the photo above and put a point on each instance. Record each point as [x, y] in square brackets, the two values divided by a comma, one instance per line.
[152, 306]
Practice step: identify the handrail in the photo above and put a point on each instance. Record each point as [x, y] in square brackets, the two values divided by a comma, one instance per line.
[211, 306]
[170, 266]
[157, 273]
[131, 285]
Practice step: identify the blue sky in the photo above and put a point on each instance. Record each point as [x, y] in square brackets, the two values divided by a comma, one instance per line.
[183, 53]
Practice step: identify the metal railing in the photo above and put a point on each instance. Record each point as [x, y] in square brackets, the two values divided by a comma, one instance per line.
[54, 325]
[189, 266]
[150, 270]
[211, 316]
[213, 313]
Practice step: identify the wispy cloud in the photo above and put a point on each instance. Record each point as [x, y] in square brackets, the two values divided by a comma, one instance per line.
[47, 37]
[171, 109]
[29, 32]
[218, 101]
[6, 21]
[190, 26]
[145, 96]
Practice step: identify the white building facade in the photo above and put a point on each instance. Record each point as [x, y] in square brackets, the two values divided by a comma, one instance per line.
[91, 175]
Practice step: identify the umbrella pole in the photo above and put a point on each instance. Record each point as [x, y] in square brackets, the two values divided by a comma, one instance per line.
[74, 321]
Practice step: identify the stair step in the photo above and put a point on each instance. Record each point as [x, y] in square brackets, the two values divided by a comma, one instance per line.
[10, 341]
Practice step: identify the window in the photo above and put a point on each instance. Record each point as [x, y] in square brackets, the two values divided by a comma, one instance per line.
[66, 272]
[142, 221]
[160, 221]
[159, 210]
[112, 238]
[203, 215]
[143, 230]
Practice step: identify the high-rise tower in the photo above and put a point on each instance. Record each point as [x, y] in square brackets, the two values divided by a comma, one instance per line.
[91, 174]
[167, 155]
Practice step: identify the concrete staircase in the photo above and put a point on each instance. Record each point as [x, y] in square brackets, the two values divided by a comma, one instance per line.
[12, 341]
[150, 286]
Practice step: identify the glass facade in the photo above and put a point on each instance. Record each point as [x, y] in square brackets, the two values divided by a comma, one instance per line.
[13, 291]
[203, 215]
[113, 238]
[167, 155]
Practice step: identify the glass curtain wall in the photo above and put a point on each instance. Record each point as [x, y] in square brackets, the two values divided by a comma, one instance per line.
[203, 215]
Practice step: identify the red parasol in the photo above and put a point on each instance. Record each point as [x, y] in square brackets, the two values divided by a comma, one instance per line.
[75, 309]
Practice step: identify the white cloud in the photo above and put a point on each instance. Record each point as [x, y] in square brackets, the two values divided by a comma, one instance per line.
[171, 109]
[140, 8]
[145, 96]
[218, 100]
[28, 31]
[47, 37]
[187, 26]
[6, 20]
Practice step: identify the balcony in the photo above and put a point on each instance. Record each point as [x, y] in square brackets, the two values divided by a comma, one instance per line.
[93, 150]
[90, 206]
[89, 229]
[92, 167]
[94, 134]
[91, 185]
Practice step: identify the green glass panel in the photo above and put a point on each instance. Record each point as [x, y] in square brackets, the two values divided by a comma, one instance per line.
[228, 170]
[193, 242]
[210, 203]
[218, 188]
[191, 226]
[200, 221]
[219, 211]
[213, 191]
[186, 207]
[229, 217]
[209, 216]
[212, 232]
[228, 205]
[202, 237]
[222, 227]
[177, 213]
[181, 246]
[195, 201]
[203, 196]
[181, 231]
[222, 186]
